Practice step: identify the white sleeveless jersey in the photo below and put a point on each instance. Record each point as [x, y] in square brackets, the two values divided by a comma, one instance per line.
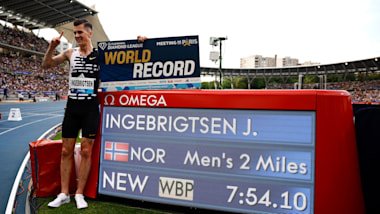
[84, 75]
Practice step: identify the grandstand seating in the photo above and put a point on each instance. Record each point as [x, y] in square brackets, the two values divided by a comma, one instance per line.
[19, 38]
[22, 73]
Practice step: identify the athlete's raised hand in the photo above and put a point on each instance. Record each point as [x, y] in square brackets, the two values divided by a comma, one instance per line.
[49, 60]
[56, 41]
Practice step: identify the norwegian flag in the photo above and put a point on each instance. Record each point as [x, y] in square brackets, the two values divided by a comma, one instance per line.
[116, 151]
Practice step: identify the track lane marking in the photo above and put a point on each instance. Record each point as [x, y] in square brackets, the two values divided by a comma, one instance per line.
[26, 124]
[33, 114]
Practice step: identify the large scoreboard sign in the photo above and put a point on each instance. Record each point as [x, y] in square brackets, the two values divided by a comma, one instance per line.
[237, 151]
[240, 160]
[160, 63]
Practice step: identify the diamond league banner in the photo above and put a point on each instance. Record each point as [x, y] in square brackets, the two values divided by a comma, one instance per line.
[160, 63]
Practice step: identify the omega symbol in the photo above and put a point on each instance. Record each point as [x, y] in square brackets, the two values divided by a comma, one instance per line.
[112, 100]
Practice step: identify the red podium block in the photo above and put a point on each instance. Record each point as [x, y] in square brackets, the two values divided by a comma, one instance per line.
[45, 158]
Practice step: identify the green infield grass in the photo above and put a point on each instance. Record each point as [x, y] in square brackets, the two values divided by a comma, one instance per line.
[99, 205]
[59, 137]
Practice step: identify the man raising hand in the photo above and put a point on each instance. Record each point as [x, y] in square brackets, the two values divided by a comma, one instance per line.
[82, 108]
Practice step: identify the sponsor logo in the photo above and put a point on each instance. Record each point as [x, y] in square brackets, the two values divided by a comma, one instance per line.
[111, 98]
[142, 100]
[103, 45]
[136, 100]
[116, 45]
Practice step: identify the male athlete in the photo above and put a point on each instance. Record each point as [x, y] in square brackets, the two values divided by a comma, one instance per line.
[82, 108]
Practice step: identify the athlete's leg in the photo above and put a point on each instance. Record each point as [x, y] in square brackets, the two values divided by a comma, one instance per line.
[85, 163]
[90, 123]
[67, 158]
[70, 128]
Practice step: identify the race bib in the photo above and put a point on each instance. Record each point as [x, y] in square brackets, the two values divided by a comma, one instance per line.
[82, 85]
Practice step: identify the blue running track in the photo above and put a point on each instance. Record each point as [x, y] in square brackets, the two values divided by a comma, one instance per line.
[16, 135]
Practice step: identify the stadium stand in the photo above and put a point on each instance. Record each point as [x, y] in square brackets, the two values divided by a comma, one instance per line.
[361, 91]
[22, 39]
[366, 66]
[21, 51]
[361, 78]
[21, 72]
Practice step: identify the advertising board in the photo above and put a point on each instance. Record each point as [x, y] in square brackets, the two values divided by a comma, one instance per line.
[159, 63]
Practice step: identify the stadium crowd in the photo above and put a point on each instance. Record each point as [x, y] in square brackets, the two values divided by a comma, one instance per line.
[24, 65]
[19, 38]
[359, 95]
[23, 75]
[361, 91]
[33, 84]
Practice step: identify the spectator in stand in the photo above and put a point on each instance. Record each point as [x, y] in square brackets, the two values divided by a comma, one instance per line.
[20, 38]
[26, 74]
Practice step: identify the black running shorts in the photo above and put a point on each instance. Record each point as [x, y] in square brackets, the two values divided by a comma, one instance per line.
[81, 114]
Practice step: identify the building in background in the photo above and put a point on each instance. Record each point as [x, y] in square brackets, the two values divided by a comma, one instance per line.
[286, 62]
[62, 46]
[310, 63]
[258, 61]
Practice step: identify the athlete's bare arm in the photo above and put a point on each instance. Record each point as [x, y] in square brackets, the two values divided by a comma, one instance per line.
[49, 61]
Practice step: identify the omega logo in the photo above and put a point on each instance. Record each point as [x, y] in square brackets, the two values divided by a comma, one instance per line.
[112, 100]
[136, 100]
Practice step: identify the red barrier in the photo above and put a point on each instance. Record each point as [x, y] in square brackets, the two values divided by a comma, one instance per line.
[45, 159]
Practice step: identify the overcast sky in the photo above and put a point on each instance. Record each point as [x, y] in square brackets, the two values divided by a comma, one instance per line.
[325, 31]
